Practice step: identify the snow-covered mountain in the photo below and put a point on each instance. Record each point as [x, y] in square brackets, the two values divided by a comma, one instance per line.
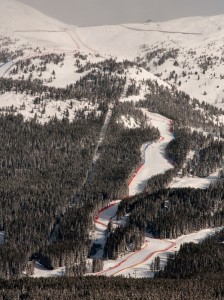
[17, 16]
[187, 53]
[50, 69]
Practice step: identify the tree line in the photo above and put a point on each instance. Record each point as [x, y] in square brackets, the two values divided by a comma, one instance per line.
[103, 288]
[193, 260]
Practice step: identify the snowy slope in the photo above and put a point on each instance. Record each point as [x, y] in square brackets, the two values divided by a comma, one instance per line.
[194, 182]
[30, 25]
[24, 17]
[197, 40]
[154, 160]
[124, 40]
[137, 264]
[156, 248]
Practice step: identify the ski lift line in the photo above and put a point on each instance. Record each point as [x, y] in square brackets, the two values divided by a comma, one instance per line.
[102, 137]
[77, 45]
[146, 258]
[77, 36]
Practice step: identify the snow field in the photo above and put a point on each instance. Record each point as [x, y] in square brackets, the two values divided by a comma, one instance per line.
[40, 271]
[194, 182]
[46, 110]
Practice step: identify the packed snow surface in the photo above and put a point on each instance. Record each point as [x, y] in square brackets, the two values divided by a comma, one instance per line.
[154, 161]
[143, 268]
[137, 264]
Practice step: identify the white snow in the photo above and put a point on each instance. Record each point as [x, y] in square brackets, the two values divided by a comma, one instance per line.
[143, 269]
[154, 161]
[129, 262]
[202, 35]
[137, 264]
[45, 110]
[129, 122]
[40, 271]
[65, 72]
[98, 236]
[194, 182]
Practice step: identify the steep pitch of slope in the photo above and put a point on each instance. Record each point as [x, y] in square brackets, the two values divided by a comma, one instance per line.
[124, 40]
[29, 25]
[25, 17]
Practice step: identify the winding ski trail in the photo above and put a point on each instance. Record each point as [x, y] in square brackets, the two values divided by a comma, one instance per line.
[151, 153]
[154, 161]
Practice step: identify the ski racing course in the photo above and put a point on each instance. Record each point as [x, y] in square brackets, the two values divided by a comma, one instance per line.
[153, 163]
[137, 264]
[153, 158]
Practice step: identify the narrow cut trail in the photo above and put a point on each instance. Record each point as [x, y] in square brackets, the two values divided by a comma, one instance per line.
[102, 137]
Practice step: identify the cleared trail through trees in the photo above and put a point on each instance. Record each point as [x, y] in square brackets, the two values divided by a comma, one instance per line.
[154, 163]
[148, 251]
[145, 254]
[100, 141]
